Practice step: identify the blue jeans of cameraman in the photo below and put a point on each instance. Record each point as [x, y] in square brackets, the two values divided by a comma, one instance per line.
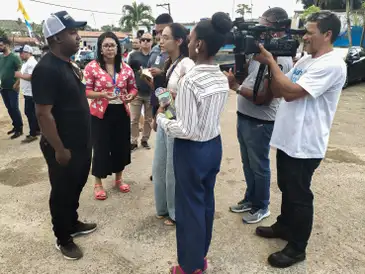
[254, 138]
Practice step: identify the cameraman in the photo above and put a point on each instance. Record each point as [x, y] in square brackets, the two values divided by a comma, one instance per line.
[310, 92]
[255, 123]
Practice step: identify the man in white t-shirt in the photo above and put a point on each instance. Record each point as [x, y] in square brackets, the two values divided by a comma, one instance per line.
[310, 92]
[25, 75]
[255, 123]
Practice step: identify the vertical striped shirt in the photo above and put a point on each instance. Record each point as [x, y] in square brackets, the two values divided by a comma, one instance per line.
[201, 96]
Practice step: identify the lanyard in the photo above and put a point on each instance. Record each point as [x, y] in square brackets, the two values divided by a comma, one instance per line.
[114, 79]
[172, 69]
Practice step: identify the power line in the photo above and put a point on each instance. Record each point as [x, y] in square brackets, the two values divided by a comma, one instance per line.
[163, 6]
[68, 7]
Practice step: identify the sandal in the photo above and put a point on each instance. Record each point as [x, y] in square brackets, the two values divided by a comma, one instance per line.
[122, 187]
[99, 194]
[177, 269]
[169, 222]
[160, 217]
[205, 264]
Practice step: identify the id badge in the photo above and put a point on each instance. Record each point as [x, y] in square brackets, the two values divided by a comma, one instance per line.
[158, 60]
[117, 91]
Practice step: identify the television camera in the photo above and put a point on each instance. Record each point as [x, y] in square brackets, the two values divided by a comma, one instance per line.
[246, 36]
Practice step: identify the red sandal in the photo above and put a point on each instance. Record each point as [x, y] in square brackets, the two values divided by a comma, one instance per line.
[99, 194]
[178, 268]
[125, 188]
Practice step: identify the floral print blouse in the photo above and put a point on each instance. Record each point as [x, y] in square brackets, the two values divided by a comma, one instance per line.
[98, 80]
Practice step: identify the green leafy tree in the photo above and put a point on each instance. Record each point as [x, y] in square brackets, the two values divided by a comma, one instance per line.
[308, 11]
[135, 15]
[243, 9]
[3, 32]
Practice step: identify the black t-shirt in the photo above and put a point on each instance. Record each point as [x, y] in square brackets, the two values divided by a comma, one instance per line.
[55, 82]
[137, 60]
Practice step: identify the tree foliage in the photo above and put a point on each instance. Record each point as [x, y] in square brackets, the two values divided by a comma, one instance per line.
[135, 15]
[242, 9]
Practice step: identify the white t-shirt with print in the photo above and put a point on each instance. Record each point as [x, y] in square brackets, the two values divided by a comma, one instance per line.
[27, 68]
[302, 127]
[180, 70]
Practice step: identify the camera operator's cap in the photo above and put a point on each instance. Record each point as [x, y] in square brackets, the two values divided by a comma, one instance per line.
[26, 48]
[60, 21]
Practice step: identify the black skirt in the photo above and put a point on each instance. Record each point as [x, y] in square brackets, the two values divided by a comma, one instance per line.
[111, 137]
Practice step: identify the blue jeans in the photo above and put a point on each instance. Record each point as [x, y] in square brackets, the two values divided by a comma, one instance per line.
[163, 174]
[254, 138]
[11, 102]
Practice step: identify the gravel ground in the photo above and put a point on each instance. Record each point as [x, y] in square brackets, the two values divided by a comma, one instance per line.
[130, 239]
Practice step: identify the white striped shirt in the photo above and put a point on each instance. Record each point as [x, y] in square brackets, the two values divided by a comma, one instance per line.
[201, 96]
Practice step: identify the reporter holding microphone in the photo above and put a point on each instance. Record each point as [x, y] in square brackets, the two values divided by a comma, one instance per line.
[310, 93]
[201, 96]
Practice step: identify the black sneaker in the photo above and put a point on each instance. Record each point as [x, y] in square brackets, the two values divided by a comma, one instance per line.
[70, 251]
[134, 147]
[145, 145]
[286, 258]
[11, 131]
[16, 134]
[83, 229]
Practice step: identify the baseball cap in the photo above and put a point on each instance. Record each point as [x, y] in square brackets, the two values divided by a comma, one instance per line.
[60, 21]
[26, 48]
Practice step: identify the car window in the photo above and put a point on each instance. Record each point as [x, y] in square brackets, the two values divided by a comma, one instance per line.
[224, 58]
[353, 53]
[361, 52]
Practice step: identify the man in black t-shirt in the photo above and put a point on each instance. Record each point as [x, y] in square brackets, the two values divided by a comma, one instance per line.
[64, 117]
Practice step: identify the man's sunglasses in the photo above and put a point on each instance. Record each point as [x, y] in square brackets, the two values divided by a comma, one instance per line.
[146, 40]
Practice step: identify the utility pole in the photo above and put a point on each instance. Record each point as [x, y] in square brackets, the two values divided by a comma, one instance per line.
[164, 6]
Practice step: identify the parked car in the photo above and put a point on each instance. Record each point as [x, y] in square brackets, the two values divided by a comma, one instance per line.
[355, 61]
[85, 59]
[225, 60]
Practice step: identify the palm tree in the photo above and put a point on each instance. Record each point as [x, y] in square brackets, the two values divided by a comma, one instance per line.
[135, 15]
[3, 32]
[242, 9]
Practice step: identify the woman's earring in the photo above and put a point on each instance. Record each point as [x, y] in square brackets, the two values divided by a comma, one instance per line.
[197, 50]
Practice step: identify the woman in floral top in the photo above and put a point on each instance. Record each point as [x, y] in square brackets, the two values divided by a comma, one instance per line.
[111, 85]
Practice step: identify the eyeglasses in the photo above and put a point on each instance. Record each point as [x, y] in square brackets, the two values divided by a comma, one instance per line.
[111, 46]
[146, 40]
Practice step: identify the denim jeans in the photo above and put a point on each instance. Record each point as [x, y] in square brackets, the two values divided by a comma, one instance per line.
[11, 102]
[254, 139]
[163, 174]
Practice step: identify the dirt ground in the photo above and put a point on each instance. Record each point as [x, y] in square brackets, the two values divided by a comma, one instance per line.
[130, 239]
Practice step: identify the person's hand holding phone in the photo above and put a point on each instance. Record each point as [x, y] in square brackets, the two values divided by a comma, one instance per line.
[155, 71]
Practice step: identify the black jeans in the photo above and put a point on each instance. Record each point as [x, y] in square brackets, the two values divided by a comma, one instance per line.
[294, 180]
[29, 110]
[11, 102]
[67, 183]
